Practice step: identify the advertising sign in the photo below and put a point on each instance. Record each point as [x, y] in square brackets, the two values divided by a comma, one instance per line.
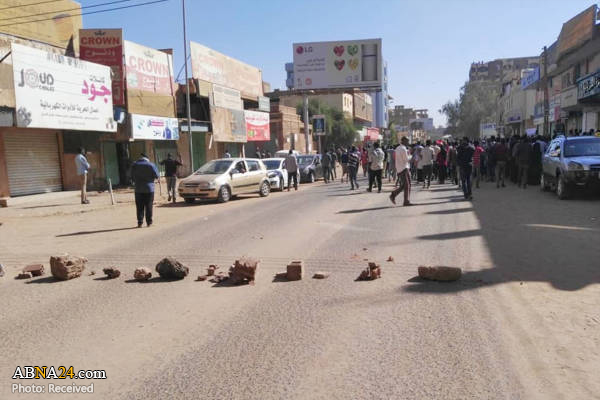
[588, 86]
[105, 46]
[226, 98]
[264, 103]
[55, 91]
[530, 77]
[147, 69]
[154, 128]
[211, 66]
[373, 134]
[319, 125]
[258, 127]
[342, 64]
[228, 125]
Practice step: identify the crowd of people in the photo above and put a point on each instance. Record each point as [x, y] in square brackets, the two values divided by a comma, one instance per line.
[466, 163]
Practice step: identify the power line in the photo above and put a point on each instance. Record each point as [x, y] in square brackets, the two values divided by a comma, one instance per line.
[86, 13]
[69, 9]
[30, 4]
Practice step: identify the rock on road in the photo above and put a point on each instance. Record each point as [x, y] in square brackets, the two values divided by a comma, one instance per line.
[522, 323]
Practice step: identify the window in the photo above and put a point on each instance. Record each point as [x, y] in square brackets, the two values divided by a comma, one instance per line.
[252, 165]
[577, 72]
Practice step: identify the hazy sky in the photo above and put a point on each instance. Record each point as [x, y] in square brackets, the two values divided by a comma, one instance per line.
[428, 45]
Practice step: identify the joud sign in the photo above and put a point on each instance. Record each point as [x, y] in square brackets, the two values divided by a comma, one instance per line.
[60, 92]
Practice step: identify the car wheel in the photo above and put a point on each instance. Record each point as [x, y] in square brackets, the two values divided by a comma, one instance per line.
[189, 200]
[311, 177]
[224, 194]
[543, 184]
[265, 189]
[562, 189]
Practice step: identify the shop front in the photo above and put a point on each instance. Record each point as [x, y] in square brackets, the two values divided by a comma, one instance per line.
[55, 97]
[588, 96]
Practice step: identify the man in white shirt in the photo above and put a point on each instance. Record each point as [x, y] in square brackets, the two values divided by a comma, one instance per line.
[82, 165]
[426, 163]
[402, 167]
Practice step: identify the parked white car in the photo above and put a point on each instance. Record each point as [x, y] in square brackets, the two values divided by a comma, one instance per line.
[278, 176]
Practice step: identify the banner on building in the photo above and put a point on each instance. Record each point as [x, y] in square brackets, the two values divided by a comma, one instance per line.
[147, 69]
[340, 64]
[226, 98]
[105, 46]
[373, 134]
[228, 125]
[258, 127]
[154, 128]
[211, 66]
[530, 77]
[60, 92]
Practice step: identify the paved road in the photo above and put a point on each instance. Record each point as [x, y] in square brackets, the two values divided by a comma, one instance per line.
[523, 322]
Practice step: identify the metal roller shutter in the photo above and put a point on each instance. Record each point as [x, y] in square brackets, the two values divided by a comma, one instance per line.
[33, 162]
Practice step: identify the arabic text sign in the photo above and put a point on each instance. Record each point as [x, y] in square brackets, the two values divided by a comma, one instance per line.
[258, 127]
[211, 66]
[147, 69]
[341, 64]
[154, 128]
[228, 125]
[227, 98]
[60, 92]
[530, 77]
[105, 46]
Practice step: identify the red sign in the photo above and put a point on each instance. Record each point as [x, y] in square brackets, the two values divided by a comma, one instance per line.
[105, 47]
[258, 127]
[373, 134]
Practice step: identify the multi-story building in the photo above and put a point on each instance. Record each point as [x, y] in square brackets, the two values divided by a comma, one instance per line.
[495, 71]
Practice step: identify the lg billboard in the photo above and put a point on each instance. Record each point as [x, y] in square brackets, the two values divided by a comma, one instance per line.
[339, 64]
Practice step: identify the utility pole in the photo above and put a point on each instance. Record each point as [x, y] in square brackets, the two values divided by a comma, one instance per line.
[187, 90]
[546, 100]
[305, 112]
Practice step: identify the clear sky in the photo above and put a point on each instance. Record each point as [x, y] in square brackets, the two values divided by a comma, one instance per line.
[428, 44]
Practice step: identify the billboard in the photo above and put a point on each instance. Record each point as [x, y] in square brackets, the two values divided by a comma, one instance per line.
[211, 66]
[105, 46]
[529, 77]
[319, 125]
[60, 92]
[577, 31]
[147, 69]
[258, 127]
[226, 98]
[341, 64]
[228, 125]
[154, 128]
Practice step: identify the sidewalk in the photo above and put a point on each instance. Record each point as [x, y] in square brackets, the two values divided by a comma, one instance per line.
[68, 202]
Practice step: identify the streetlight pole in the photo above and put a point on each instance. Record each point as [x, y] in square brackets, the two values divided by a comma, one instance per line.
[305, 112]
[187, 89]
[546, 100]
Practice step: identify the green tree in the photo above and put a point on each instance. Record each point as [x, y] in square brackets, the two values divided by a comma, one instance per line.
[477, 103]
[339, 130]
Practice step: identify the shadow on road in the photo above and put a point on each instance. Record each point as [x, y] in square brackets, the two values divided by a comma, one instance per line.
[345, 194]
[93, 232]
[361, 210]
[531, 237]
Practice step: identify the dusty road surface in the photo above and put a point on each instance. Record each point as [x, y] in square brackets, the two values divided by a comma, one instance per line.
[522, 323]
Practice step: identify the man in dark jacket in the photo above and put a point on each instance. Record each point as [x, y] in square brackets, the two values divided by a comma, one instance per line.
[464, 160]
[144, 173]
[523, 158]
[171, 165]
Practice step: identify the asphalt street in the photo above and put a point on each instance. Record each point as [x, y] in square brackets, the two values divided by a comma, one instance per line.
[522, 323]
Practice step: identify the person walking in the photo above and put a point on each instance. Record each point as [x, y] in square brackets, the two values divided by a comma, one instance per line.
[465, 163]
[364, 160]
[451, 163]
[426, 163]
[291, 166]
[477, 163]
[326, 163]
[227, 154]
[334, 160]
[258, 153]
[354, 157]
[171, 165]
[344, 162]
[83, 166]
[523, 157]
[500, 151]
[144, 173]
[376, 167]
[441, 165]
[403, 171]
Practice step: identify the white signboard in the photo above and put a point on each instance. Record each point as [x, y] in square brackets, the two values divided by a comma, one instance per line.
[60, 92]
[227, 98]
[341, 64]
[154, 128]
[147, 69]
